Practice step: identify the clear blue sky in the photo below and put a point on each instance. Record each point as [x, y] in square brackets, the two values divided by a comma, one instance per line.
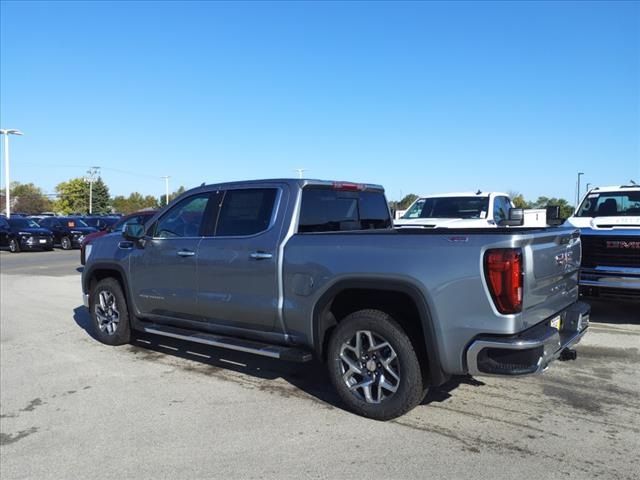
[420, 97]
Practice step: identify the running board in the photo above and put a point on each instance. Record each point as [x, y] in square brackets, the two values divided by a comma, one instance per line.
[231, 343]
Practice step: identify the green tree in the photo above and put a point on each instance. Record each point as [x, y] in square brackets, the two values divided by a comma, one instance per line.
[172, 196]
[29, 198]
[134, 202]
[73, 196]
[566, 210]
[406, 201]
[518, 199]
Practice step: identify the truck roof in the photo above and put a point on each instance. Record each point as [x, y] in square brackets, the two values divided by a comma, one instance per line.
[616, 188]
[300, 183]
[463, 194]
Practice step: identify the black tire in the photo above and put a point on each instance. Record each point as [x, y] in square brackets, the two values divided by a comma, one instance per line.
[14, 246]
[410, 387]
[65, 243]
[122, 333]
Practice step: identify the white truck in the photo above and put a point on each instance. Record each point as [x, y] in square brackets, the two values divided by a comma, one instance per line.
[465, 210]
[609, 223]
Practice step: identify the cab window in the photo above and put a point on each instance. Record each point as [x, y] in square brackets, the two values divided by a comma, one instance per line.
[183, 219]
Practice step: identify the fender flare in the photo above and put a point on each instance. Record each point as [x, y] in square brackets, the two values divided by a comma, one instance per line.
[319, 323]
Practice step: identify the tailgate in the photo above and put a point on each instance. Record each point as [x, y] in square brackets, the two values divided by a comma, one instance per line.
[552, 261]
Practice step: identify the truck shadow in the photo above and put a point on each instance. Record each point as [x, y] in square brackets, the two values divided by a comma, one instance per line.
[306, 380]
[614, 311]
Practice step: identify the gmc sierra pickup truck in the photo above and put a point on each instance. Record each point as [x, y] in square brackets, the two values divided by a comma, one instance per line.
[609, 222]
[296, 269]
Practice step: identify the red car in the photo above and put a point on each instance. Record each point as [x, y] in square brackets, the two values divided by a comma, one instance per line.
[137, 217]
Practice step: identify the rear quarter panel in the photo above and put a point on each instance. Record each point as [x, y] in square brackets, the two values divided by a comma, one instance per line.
[446, 268]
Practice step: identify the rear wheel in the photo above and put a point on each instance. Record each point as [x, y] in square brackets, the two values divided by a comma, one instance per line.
[65, 243]
[374, 367]
[14, 246]
[109, 313]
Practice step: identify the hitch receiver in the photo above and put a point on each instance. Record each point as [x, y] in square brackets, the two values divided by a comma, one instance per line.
[568, 354]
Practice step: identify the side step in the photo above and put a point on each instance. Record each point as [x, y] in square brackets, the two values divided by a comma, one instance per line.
[265, 349]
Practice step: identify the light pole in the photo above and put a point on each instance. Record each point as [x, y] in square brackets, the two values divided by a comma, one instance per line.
[578, 193]
[588, 186]
[92, 173]
[300, 171]
[7, 182]
[166, 189]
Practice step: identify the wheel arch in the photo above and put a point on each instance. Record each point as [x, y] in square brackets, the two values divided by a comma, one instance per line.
[99, 271]
[379, 294]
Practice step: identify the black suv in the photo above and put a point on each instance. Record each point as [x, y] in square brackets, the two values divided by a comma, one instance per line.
[19, 233]
[68, 232]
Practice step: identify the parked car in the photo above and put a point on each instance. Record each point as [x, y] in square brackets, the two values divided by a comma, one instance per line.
[609, 221]
[137, 217]
[100, 223]
[292, 269]
[19, 233]
[68, 232]
[465, 210]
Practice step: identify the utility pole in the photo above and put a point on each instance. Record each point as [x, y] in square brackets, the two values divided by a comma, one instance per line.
[91, 177]
[300, 171]
[166, 189]
[7, 182]
[578, 192]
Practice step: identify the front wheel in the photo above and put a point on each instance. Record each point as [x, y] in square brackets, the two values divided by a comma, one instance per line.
[65, 243]
[374, 367]
[14, 246]
[109, 313]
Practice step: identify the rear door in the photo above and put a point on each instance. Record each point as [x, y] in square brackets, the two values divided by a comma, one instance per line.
[164, 272]
[238, 259]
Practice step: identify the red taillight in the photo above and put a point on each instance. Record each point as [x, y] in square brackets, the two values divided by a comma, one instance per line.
[353, 187]
[503, 269]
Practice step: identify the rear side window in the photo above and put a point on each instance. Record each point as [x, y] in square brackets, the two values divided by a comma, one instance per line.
[246, 211]
[325, 210]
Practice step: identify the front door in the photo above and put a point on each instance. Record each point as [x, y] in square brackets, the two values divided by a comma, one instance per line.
[237, 264]
[163, 272]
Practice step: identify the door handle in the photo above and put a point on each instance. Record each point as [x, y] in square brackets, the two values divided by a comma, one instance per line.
[260, 255]
[186, 253]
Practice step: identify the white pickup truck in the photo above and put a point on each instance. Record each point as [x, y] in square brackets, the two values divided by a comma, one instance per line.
[465, 210]
[609, 223]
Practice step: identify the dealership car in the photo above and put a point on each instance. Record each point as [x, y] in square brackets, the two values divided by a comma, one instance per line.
[609, 222]
[68, 232]
[19, 233]
[137, 217]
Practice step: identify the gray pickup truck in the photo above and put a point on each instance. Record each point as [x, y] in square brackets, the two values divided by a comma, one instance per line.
[296, 269]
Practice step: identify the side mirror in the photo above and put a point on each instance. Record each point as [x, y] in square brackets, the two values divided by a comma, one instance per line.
[516, 218]
[133, 232]
[553, 215]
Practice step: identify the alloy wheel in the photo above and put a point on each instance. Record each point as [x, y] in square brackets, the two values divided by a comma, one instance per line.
[107, 313]
[369, 367]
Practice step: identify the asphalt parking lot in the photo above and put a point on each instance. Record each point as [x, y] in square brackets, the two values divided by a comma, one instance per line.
[71, 407]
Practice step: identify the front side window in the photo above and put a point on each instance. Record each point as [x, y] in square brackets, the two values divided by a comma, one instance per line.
[184, 219]
[246, 211]
[610, 204]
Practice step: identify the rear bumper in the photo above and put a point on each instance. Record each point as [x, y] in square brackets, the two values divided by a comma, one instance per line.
[529, 352]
